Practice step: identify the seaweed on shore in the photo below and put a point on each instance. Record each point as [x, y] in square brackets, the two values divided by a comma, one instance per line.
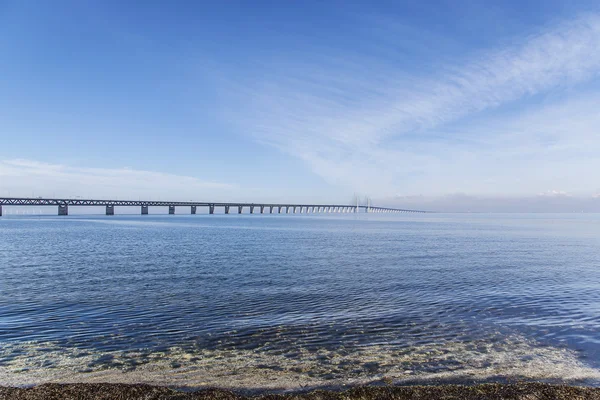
[106, 391]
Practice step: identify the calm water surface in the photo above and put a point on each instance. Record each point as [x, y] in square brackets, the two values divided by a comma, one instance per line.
[293, 301]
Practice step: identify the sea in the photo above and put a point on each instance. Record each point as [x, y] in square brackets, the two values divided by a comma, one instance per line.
[295, 302]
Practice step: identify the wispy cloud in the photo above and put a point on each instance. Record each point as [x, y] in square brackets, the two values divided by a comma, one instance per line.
[68, 181]
[381, 130]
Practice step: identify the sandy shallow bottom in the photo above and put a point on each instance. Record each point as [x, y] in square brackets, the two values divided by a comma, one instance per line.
[513, 359]
[520, 391]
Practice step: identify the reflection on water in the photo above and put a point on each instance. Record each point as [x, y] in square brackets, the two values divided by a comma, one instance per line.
[291, 301]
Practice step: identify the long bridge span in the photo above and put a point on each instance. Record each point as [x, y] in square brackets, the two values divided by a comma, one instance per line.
[262, 208]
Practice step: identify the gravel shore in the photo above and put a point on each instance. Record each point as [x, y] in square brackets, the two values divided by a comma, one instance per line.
[524, 391]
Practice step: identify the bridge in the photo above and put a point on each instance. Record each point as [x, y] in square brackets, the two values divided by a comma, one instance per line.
[262, 208]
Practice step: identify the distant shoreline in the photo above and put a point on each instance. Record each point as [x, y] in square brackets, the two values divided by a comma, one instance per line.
[489, 391]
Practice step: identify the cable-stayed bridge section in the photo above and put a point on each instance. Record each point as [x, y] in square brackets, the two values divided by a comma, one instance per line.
[262, 208]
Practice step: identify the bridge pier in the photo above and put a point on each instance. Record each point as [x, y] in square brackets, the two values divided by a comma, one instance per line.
[279, 211]
[226, 209]
[63, 209]
[110, 209]
[262, 209]
[193, 209]
[0, 211]
[271, 210]
[240, 208]
[144, 210]
[211, 208]
[294, 209]
[171, 210]
[251, 209]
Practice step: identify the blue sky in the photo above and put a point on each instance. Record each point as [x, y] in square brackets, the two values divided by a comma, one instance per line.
[301, 101]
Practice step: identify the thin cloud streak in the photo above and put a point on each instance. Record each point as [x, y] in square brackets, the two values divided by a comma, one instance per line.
[380, 139]
[51, 180]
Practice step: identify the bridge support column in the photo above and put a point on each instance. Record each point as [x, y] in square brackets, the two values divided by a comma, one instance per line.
[63, 209]
[0, 211]
[171, 210]
[251, 209]
[294, 210]
[144, 210]
[226, 209]
[110, 209]
[271, 210]
[193, 209]
[211, 208]
[279, 209]
[240, 208]
[262, 209]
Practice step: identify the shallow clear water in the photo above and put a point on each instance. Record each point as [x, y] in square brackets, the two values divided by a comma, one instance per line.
[288, 301]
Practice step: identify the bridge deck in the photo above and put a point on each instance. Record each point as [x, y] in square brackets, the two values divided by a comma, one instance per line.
[110, 204]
